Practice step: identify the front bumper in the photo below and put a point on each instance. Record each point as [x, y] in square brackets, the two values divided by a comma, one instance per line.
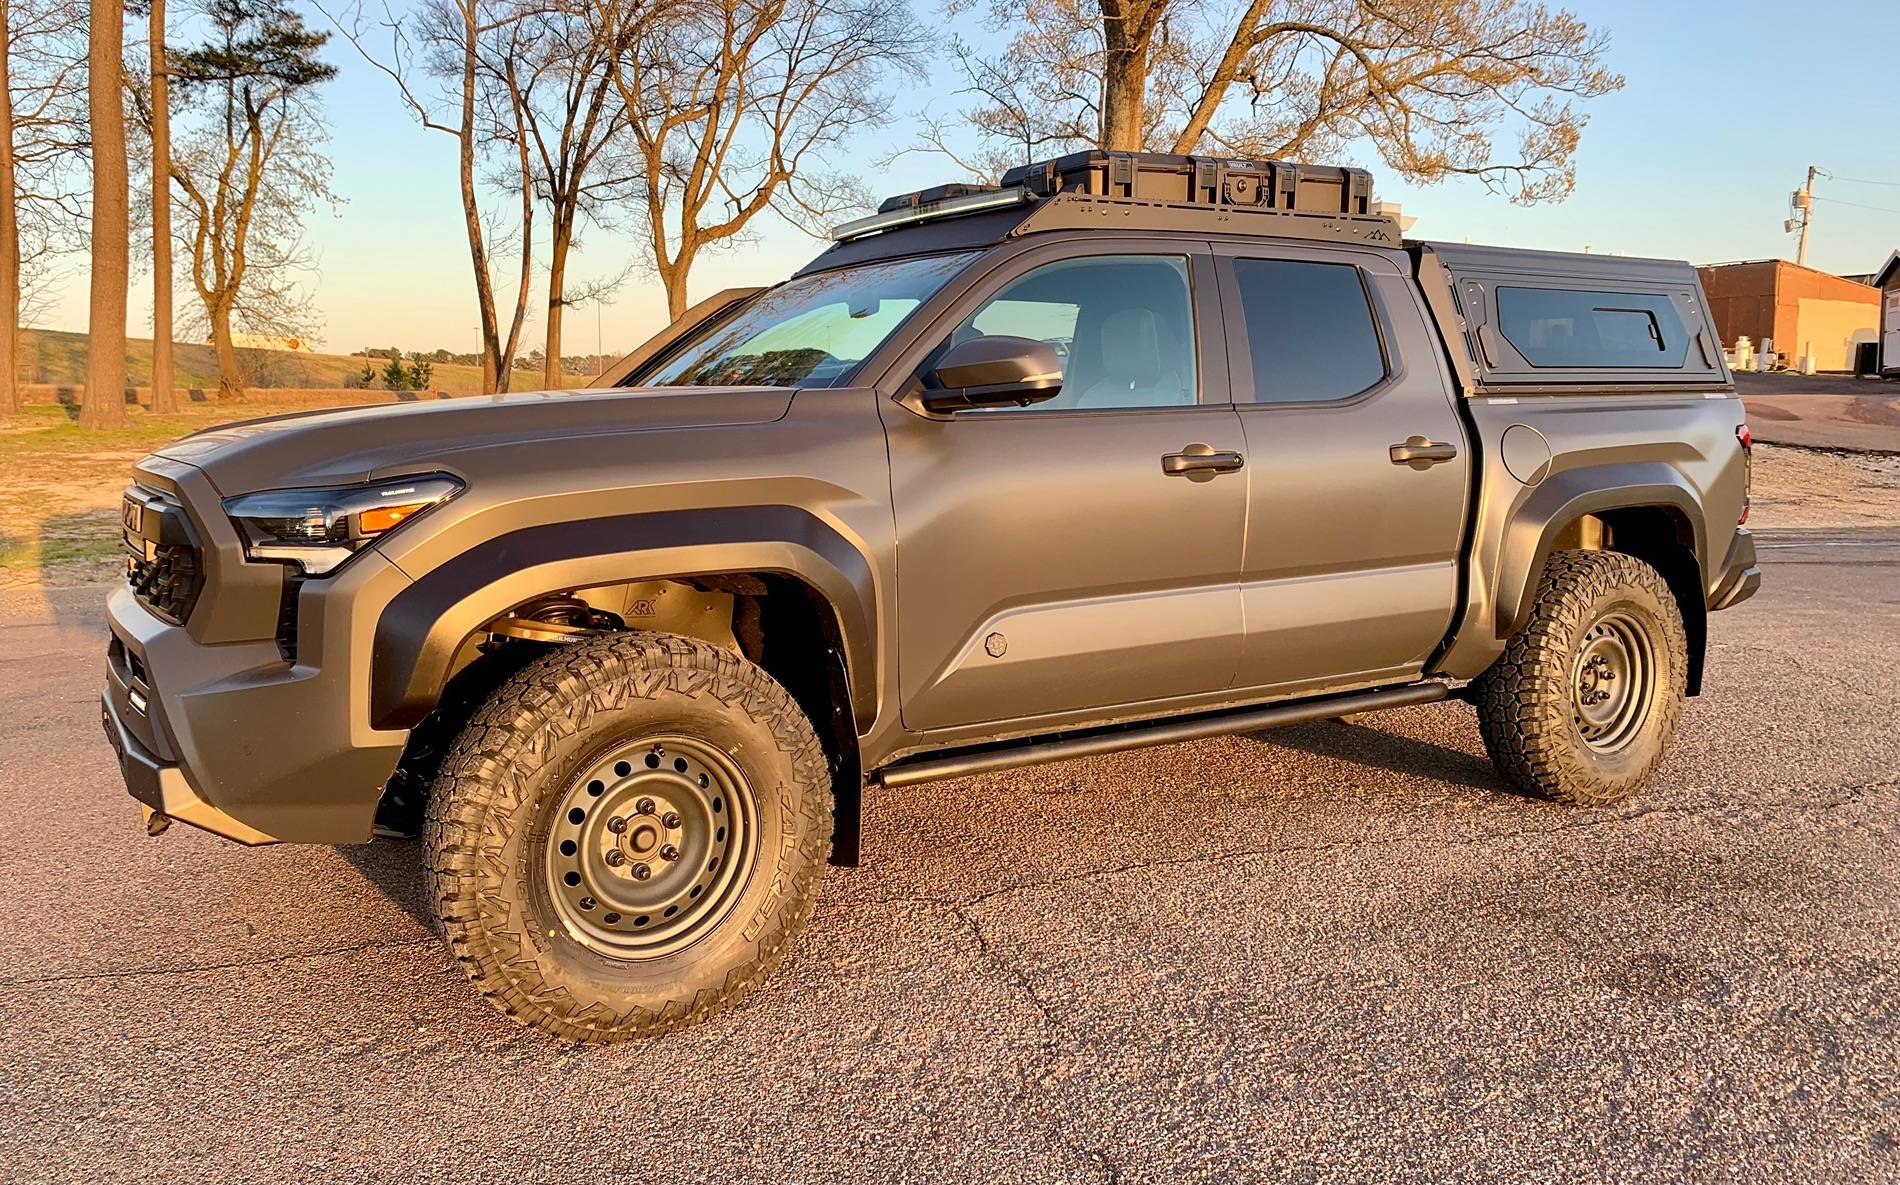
[162, 791]
[1741, 575]
[236, 740]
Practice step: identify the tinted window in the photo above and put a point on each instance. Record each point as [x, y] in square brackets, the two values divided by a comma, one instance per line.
[1309, 330]
[1121, 324]
[1561, 327]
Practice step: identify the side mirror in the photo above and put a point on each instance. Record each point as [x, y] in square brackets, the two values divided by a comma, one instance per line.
[997, 371]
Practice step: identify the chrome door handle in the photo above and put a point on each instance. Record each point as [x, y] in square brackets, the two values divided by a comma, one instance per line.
[1421, 452]
[1201, 461]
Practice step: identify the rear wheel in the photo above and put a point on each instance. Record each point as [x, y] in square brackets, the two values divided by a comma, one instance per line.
[628, 835]
[1585, 699]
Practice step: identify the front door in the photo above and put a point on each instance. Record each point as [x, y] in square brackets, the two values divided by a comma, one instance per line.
[1048, 562]
[1356, 466]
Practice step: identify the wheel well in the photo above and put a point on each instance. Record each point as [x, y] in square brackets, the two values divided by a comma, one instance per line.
[777, 621]
[1663, 538]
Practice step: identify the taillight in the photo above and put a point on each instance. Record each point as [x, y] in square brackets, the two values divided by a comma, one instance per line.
[1747, 440]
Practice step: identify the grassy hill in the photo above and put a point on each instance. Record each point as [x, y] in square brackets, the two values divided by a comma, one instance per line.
[58, 357]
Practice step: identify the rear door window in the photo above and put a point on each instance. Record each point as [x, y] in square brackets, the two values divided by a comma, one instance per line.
[1559, 327]
[1310, 331]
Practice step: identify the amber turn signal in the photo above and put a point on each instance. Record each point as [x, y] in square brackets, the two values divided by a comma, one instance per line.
[380, 518]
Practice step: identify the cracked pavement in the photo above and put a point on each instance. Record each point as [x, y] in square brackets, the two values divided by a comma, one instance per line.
[1328, 953]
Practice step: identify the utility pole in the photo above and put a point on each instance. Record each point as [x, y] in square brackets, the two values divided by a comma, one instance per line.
[1803, 202]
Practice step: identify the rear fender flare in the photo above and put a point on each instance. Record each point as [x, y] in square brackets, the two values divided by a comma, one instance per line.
[1565, 497]
[422, 628]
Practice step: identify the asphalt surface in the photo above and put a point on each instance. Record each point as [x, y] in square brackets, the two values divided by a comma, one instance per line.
[1335, 952]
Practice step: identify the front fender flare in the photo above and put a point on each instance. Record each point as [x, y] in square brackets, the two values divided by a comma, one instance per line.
[418, 634]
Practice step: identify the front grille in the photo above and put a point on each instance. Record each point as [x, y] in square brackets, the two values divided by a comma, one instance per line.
[164, 570]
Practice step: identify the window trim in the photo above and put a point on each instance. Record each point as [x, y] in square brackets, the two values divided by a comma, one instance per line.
[902, 373]
[1501, 369]
[1240, 343]
[1498, 289]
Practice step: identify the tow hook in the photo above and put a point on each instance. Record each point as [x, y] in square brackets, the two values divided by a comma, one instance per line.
[156, 822]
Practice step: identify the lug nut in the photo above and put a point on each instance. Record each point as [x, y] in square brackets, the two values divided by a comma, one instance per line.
[616, 857]
[671, 819]
[644, 806]
[616, 825]
[641, 872]
[669, 852]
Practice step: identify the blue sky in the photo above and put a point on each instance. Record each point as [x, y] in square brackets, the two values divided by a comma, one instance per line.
[1726, 106]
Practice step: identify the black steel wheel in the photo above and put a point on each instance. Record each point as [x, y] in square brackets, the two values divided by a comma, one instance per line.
[1584, 701]
[628, 835]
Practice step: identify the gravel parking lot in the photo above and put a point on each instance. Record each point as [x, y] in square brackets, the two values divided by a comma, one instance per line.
[1334, 952]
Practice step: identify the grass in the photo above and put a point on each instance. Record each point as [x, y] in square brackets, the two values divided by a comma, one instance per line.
[60, 485]
[59, 357]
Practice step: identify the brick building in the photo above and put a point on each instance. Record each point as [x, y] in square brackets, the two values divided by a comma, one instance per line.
[1799, 309]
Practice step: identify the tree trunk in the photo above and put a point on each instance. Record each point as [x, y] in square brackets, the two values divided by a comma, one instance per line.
[494, 366]
[675, 280]
[104, 402]
[230, 374]
[9, 228]
[164, 393]
[1124, 79]
[558, 244]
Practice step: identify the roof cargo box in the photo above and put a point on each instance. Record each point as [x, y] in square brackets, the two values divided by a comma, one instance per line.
[1200, 181]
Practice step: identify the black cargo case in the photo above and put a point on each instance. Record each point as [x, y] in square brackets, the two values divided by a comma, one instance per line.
[1200, 181]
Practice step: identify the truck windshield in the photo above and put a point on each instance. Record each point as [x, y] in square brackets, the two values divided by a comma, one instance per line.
[812, 332]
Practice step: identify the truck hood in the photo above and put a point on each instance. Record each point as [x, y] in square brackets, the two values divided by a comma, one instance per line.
[344, 446]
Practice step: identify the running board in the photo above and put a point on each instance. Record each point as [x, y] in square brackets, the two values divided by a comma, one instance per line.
[1161, 732]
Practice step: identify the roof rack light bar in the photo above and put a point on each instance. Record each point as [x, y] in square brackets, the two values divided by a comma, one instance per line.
[947, 208]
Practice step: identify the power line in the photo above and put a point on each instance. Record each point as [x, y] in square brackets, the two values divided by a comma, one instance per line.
[1857, 205]
[1863, 181]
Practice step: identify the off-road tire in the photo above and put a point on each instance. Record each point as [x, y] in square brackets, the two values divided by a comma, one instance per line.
[1530, 702]
[489, 828]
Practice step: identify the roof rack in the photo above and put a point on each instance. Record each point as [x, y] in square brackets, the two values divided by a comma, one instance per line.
[944, 201]
[1212, 194]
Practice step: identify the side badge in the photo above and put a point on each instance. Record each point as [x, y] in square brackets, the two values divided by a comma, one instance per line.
[996, 645]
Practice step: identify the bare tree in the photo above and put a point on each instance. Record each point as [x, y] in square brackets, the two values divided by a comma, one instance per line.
[555, 71]
[164, 390]
[9, 227]
[1429, 83]
[251, 171]
[104, 403]
[735, 105]
[459, 45]
[43, 174]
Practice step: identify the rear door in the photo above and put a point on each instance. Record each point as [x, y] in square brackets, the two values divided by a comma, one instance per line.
[1357, 468]
[1049, 563]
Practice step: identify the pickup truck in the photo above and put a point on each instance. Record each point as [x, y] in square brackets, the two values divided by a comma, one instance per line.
[1123, 451]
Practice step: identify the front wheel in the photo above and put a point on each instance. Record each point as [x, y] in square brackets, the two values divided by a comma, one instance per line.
[628, 835]
[1583, 702]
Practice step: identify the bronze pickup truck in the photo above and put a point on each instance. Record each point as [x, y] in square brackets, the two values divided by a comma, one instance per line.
[1128, 449]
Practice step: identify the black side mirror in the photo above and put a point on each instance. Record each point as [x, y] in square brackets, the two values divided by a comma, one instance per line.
[996, 371]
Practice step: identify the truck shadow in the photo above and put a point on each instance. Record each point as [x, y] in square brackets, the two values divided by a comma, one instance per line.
[1385, 750]
[395, 868]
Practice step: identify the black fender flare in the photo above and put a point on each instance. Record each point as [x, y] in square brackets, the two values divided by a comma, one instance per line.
[419, 632]
[1534, 526]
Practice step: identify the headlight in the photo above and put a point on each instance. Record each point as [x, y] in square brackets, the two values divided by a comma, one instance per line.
[319, 529]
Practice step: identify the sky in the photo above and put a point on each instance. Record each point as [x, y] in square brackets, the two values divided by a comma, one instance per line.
[1726, 105]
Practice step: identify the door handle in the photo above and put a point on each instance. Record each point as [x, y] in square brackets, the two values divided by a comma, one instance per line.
[1421, 452]
[1198, 462]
